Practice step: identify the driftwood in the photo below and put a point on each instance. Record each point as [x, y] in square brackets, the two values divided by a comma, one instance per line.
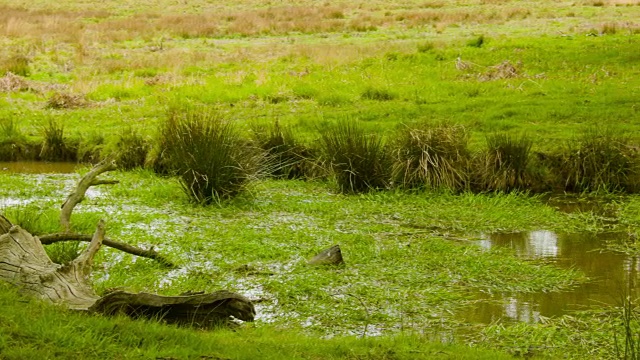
[77, 195]
[24, 263]
[330, 256]
[199, 310]
[148, 253]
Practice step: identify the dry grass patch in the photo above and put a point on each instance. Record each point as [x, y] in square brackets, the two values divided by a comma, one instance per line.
[504, 70]
[11, 83]
[66, 101]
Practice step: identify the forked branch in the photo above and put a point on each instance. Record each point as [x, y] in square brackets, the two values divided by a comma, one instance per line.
[77, 195]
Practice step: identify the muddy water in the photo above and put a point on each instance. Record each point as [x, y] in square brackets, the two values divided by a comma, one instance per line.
[611, 274]
[38, 167]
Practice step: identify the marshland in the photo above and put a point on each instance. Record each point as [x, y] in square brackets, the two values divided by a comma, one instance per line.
[477, 162]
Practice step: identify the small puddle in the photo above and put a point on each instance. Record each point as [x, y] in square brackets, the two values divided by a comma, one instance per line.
[38, 167]
[612, 274]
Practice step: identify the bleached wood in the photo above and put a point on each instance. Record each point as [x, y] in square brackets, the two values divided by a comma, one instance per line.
[77, 195]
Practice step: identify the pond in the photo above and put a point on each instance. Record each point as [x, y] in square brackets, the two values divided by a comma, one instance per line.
[612, 276]
[38, 167]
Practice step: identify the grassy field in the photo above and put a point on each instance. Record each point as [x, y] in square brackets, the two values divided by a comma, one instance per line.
[91, 74]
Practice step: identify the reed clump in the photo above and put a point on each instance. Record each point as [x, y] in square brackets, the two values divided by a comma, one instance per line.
[599, 160]
[504, 165]
[359, 161]
[131, 149]
[209, 155]
[55, 145]
[286, 156]
[431, 157]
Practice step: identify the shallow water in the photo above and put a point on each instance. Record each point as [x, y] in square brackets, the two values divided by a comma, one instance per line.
[611, 274]
[38, 167]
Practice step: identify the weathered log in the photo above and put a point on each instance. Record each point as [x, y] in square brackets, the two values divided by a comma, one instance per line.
[330, 256]
[198, 310]
[5, 225]
[24, 263]
[130, 249]
[77, 195]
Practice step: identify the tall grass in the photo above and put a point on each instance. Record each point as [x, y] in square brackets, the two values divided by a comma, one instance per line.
[55, 146]
[131, 149]
[434, 157]
[287, 158]
[598, 160]
[627, 346]
[504, 166]
[359, 161]
[209, 155]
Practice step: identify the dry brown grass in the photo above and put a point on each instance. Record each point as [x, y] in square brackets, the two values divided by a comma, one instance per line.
[63, 25]
[11, 83]
[66, 101]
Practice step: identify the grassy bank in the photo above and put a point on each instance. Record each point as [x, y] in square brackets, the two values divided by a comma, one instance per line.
[31, 329]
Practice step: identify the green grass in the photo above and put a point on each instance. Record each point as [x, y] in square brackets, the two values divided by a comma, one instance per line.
[405, 267]
[33, 330]
[93, 76]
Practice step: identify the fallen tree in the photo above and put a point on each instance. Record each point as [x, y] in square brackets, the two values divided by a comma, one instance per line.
[25, 263]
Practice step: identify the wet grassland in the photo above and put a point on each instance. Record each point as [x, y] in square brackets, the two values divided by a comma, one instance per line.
[466, 119]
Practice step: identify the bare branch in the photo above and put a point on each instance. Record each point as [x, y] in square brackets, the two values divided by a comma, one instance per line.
[77, 195]
[151, 254]
[85, 260]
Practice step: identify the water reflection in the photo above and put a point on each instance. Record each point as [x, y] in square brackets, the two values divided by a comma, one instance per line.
[612, 274]
[38, 167]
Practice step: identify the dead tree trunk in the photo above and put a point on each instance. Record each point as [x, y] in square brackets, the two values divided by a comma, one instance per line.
[24, 263]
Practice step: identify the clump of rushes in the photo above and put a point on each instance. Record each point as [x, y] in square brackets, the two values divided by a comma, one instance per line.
[208, 154]
[55, 147]
[435, 157]
[359, 161]
[132, 150]
[287, 158]
[598, 160]
[505, 164]
[378, 94]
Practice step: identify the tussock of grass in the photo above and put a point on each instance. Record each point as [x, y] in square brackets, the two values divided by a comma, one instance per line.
[599, 160]
[131, 149]
[213, 161]
[287, 157]
[378, 94]
[505, 164]
[55, 146]
[359, 161]
[431, 157]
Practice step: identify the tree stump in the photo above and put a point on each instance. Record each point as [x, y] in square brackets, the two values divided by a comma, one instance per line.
[330, 256]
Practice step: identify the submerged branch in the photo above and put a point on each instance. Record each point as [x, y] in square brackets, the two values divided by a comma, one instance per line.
[150, 253]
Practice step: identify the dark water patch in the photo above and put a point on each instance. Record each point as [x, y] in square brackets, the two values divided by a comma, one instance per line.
[613, 275]
[598, 205]
[38, 167]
